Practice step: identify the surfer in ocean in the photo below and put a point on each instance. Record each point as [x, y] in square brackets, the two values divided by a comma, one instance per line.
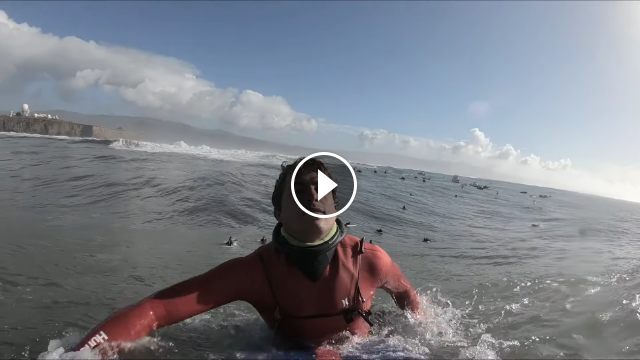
[286, 280]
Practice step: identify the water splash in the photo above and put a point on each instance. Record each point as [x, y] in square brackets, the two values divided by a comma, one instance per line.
[441, 331]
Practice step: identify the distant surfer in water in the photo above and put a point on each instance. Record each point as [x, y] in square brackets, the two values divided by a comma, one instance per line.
[263, 240]
[403, 207]
[230, 242]
[286, 280]
[426, 240]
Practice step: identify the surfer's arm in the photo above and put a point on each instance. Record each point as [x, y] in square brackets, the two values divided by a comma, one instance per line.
[228, 282]
[393, 281]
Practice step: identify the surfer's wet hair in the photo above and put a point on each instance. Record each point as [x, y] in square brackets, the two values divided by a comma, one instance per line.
[286, 169]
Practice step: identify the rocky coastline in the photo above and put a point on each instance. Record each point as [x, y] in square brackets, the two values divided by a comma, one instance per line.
[57, 127]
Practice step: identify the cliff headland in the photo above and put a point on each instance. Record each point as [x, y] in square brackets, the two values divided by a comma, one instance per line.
[45, 126]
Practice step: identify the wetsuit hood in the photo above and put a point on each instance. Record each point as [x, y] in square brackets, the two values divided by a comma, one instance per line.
[311, 260]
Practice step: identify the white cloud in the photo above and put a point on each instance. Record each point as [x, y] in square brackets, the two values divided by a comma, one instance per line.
[157, 83]
[479, 109]
[478, 148]
[382, 138]
[533, 160]
[507, 153]
[374, 137]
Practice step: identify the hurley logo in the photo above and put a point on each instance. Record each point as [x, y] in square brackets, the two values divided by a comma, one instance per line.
[345, 302]
[96, 340]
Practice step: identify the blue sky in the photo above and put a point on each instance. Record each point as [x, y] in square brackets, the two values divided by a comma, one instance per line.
[562, 80]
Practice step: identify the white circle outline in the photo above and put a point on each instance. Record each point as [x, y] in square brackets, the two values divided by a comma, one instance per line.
[353, 174]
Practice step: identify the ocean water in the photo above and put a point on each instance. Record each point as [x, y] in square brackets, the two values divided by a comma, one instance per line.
[89, 226]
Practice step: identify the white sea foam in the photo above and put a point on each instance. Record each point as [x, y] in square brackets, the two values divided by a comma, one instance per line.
[181, 147]
[42, 136]
[441, 330]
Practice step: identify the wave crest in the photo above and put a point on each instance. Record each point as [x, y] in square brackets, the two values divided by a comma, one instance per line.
[181, 147]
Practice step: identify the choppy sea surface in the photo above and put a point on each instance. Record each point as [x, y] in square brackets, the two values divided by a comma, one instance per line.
[88, 227]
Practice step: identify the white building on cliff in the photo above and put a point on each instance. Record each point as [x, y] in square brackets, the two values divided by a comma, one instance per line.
[27, 113]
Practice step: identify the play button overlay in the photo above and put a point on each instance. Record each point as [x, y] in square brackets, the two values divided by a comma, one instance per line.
[325, 185]
[339, 180]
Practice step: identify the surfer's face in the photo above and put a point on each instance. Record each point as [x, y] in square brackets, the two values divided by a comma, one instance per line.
[297, 223]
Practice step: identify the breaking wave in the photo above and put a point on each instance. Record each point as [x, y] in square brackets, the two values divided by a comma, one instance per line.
[181, 147]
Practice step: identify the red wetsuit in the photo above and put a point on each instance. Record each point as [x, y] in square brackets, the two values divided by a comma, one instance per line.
[293, 306]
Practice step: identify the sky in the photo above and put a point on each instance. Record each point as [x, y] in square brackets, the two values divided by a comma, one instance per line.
[546, 93]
